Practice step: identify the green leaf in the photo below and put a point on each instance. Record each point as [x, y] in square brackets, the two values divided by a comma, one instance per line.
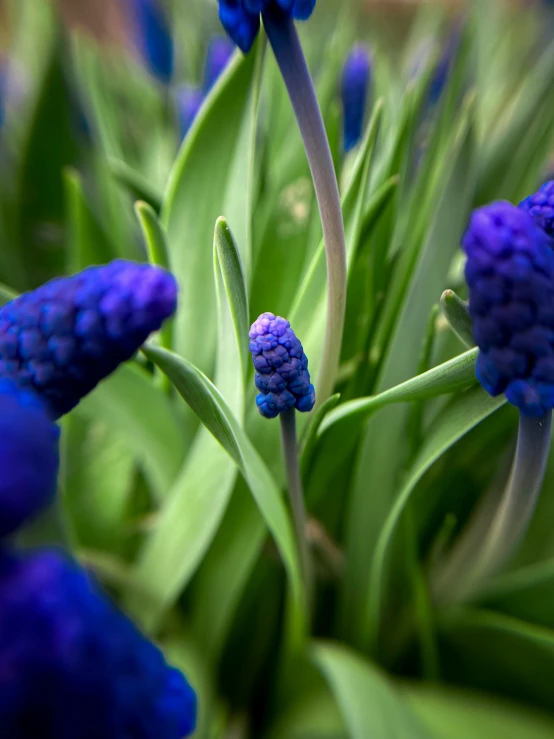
[457, 314]
[369, 703]
[209, 405]
[453, 376]
[7, 294]
[451, 714]
[211, 176]
[130, 404]
[465, 412]
[139, 186]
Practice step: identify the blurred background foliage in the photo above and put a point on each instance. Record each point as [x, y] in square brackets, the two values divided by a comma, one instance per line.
[176, 522]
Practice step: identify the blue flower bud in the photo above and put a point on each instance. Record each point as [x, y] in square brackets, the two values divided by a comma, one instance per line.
[189, 102]
[510, 274]
[72, 666]
[29, 457]
[241, 18]
[64, 337]
[540, 207]
[354, 92]
[154, 37]
[281, 366]
[220, 51]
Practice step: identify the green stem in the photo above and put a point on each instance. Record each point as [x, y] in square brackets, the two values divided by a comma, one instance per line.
[296, 496]
[284, 40]
[481, 555]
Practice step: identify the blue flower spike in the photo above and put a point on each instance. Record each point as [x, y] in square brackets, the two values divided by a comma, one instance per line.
[510, 274]
[241, 18]
[281, 366]
[540, 207]
[29, 457]
[218, 56]
[355, 82]
[154, 38]
[72, 666]
[63, 338]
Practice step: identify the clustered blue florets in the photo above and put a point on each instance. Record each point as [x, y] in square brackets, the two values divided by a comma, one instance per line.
[281, 366]
[61, 339]
[72, 666]
[241, 18]
[510, 274]
[154, 37]
[29, 457]
[540, 206]
[354, 92]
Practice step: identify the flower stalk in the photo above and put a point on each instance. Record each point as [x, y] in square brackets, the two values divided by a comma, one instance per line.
[285, 43]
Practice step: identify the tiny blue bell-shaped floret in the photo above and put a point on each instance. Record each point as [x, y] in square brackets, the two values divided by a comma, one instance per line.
[72, 666]
[510, 274]
[281, 366]
[241, 18]
[540, 207]
[154, 38]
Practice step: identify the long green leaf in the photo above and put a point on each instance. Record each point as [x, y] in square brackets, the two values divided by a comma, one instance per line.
[370, 705]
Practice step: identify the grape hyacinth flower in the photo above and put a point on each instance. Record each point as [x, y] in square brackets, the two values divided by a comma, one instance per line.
[241, 20]
[72, 666]
[64, 337]
[218, 56]
[153, 37]
[540, 207]
[283, 380]
[355, 82]
[510, 275]
[281, 366]
[29, 457]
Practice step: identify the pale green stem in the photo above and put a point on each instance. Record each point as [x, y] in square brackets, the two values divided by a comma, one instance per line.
[285, 43]
[483, 553]
[296, 496]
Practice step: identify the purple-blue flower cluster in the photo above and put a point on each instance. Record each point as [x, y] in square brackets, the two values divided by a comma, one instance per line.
[64, 337]
[540, 206]
[510, 274]
[241, 18]
[354, 93]
[29, 457]
[154, 37]
[281, 366]
[72, 666]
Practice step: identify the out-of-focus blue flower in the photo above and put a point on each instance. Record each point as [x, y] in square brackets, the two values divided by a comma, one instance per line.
[29, 457]
[154, 38]
[64, 337]
[72, 666]
[540, 207]
[281, 366]
[220, 51]
[355, 81]
[189, 102]
[510, 274]
[241, 18]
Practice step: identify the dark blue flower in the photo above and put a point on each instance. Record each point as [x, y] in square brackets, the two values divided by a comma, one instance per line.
[29, 457]
[220, 51]
[72, 666]
[64, 337]
[354, 92]
[281, 366]
[189, 102]
[154, 37]
[540, 206]
[510, 274]
[241, 18]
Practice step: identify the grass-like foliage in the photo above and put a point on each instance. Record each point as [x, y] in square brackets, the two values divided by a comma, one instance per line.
[173, 485]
